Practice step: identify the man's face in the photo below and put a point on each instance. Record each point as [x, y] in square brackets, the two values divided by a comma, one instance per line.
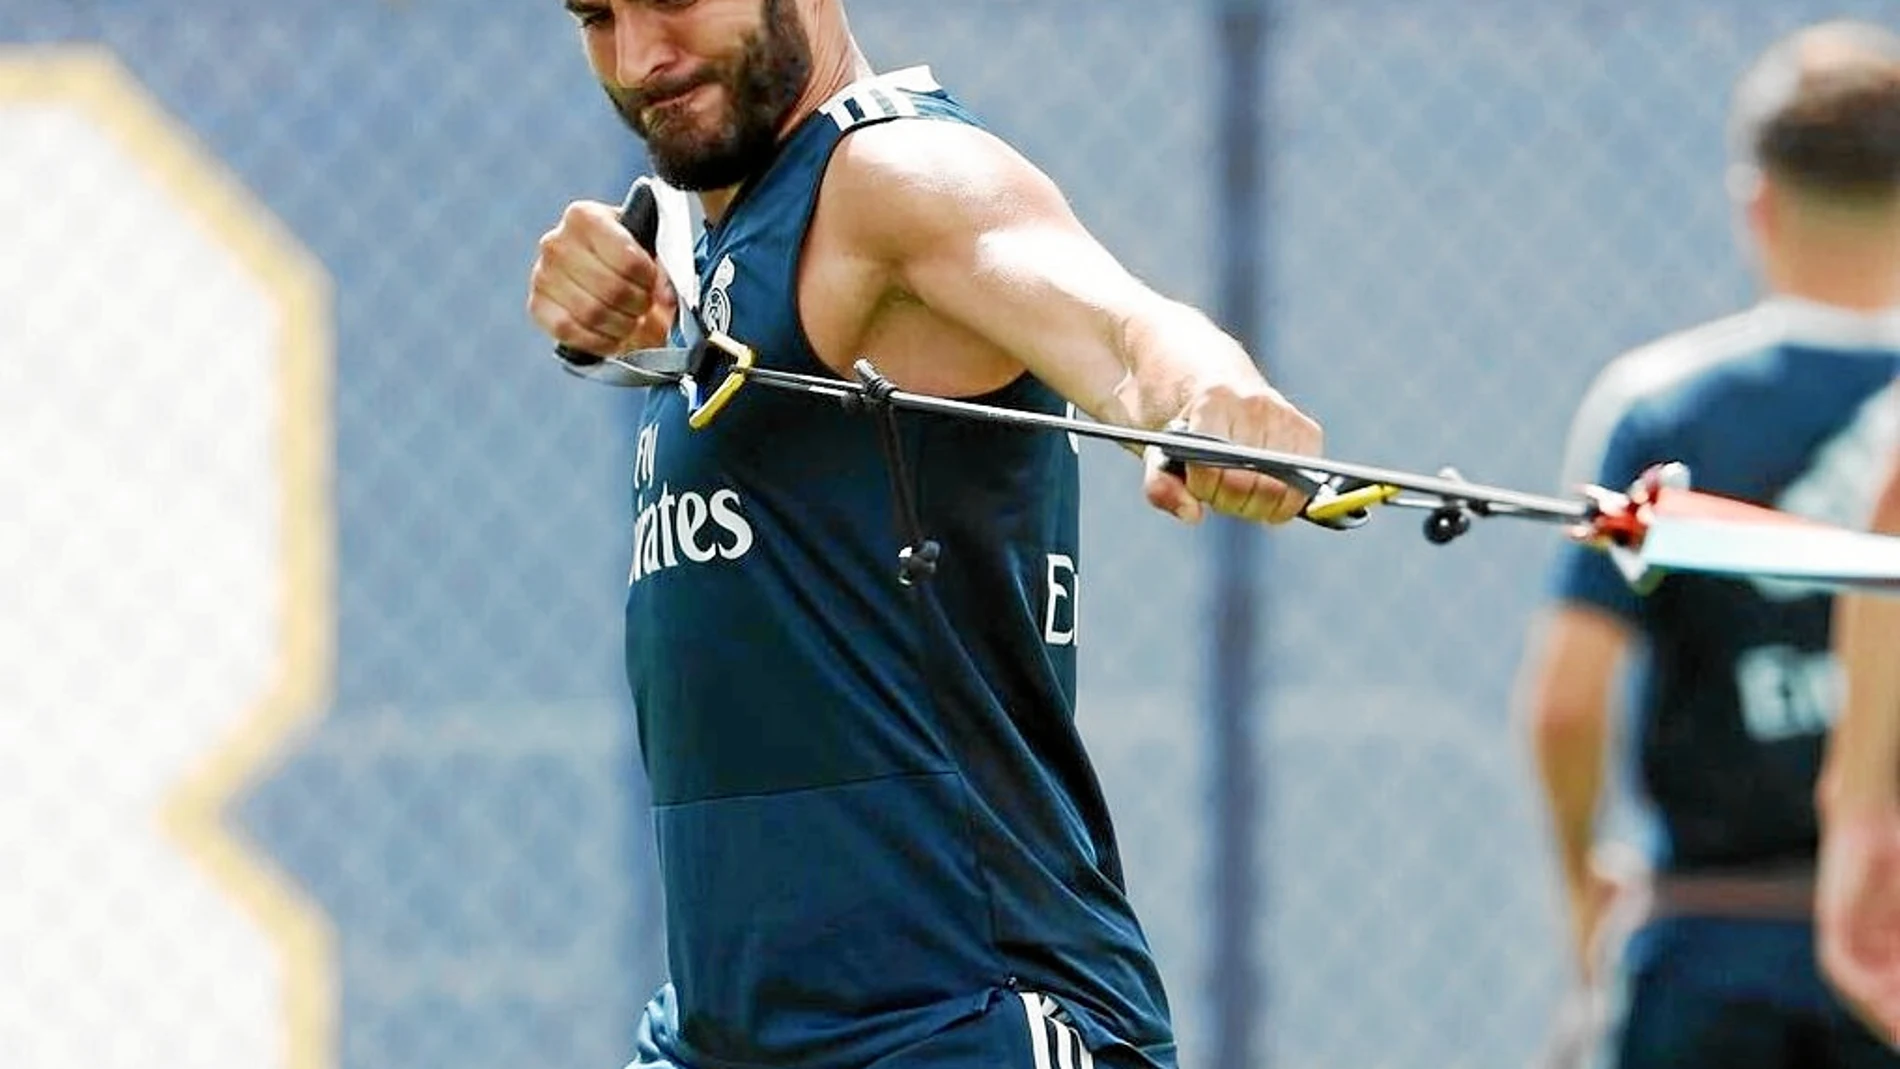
[710, 111]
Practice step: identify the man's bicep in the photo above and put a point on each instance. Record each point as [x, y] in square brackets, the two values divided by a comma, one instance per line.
[977, 234]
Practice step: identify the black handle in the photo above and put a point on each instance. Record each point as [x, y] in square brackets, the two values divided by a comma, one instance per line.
[1175, 462]
[640, 214]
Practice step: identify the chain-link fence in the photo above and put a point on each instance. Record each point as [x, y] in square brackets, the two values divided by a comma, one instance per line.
[1476, 204]
[311, 722]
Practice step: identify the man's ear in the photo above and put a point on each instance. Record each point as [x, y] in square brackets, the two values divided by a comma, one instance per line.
[1752, 201]
[1763, 208]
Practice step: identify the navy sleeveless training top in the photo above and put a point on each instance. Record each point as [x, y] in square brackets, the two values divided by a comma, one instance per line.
[872, 806]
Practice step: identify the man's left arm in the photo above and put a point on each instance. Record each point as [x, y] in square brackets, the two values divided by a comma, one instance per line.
[966, 226]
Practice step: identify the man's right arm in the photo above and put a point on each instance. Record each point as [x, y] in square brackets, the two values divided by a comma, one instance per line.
[1572, 661]
[1574, 656]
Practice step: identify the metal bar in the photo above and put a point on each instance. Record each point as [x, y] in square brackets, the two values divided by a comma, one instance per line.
[1197, 449]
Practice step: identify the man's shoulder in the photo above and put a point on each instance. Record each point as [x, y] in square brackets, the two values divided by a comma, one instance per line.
[936, 137]
[875, 99]
[933, 174]
[1662, 367]
[1646, 385]
[898, 126]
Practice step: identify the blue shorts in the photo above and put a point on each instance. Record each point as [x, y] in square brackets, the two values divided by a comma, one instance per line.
[1696, 992]
[1013, 1030]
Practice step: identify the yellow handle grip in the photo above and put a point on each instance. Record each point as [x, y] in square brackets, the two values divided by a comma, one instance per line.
[1351, 501]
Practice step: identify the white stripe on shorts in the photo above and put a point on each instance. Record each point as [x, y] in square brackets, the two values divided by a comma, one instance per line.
[1046, 1031]
[1038, 1028]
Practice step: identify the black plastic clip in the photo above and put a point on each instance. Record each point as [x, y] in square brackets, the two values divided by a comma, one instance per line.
[1447, 522]
[1451, 520]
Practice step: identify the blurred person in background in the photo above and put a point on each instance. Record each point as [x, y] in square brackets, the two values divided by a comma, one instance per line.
[881, 840]
[1785, 403]
[1859, 897]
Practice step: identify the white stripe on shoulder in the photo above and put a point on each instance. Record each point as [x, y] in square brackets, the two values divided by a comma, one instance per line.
[1847, 330]
[879, 96]
[1652, 369]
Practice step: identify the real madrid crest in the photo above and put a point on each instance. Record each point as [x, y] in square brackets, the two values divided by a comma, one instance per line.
[717, 309]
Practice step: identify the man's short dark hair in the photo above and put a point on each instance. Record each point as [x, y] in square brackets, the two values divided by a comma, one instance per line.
[1820, 112]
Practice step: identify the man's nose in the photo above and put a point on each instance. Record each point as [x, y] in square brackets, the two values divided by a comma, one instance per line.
[643, 44]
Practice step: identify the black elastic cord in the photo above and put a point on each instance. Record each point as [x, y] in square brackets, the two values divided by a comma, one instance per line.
[918, 559]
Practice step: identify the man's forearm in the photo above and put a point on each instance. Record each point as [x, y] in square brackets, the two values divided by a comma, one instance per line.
[1171, 353]
[1569, 747]
[1572, 658]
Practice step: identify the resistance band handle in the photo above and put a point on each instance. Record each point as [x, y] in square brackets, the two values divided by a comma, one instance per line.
[1335, 511]
[640, 214]
[1175, 464]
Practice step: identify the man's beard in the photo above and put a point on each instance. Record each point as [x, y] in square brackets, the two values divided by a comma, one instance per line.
[762, 83]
